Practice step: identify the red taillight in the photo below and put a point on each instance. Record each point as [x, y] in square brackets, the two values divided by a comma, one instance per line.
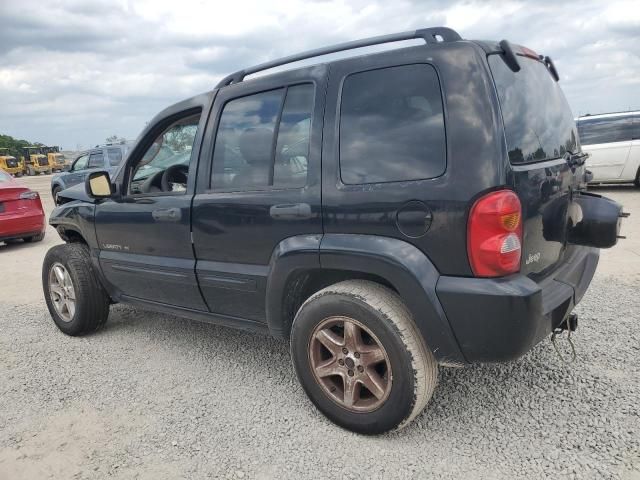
[494, 234]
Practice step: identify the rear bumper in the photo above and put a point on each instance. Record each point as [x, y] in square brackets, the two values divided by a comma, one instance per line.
[497, 320]
[21, 225]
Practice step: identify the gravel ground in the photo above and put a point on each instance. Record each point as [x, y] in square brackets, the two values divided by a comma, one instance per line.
[154, 397]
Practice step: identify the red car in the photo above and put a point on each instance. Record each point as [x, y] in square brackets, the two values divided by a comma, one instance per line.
[21, 213]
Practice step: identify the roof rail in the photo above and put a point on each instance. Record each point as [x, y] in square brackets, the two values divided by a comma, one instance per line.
[429, 35]
[620, 113]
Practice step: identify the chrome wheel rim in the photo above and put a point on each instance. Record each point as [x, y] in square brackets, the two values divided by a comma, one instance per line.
[350, 364]
[61, 291]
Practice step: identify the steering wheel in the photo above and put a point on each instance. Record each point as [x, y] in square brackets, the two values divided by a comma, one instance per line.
[152, 184]
[174, 174]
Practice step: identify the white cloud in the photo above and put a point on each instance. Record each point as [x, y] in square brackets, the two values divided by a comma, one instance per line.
[76, 71]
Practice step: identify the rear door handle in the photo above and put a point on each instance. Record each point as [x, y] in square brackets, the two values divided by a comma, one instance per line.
[167, 215]
[290, 211]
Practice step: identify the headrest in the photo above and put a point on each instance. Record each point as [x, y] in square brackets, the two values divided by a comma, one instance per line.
[255, 145]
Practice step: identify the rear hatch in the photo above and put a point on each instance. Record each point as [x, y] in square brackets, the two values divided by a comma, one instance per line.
[540, 134]
[10, 201]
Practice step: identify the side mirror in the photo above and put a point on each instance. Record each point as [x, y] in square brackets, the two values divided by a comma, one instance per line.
[98, 185]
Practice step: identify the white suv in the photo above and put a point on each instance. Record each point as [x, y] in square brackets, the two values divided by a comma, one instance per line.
[613, 140]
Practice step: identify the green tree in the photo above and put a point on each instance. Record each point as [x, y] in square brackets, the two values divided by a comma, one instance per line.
[15, 145]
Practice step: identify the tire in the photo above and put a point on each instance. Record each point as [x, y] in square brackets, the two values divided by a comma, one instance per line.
[34, 238]
[91, 301]
[54, 194]
[636, 182]
[31, 172]
[383, 320]
[18, 174]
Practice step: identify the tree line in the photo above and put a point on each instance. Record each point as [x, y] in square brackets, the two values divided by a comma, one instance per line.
[15, 145]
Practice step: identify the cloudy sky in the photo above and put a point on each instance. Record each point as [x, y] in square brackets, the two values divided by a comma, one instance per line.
[73, 72]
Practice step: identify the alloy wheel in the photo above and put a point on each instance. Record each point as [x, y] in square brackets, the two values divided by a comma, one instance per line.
[62, 293]
[350, 364]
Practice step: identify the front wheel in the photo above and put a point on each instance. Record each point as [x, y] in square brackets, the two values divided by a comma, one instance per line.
[360, 357]
[75, 298]
[54, 194]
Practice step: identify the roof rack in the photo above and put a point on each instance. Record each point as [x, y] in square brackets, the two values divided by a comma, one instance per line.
[429, 35]
[623, 112]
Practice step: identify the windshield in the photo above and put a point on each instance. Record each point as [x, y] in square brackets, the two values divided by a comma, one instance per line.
[537, 119]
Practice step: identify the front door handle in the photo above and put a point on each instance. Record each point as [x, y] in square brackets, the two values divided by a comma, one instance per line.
[167, 215]
[290, 211]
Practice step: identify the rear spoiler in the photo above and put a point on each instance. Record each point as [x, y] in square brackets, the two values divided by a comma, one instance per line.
[511, 52]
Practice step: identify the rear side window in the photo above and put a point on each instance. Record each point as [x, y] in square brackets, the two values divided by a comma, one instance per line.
[96, 160]
[392, 126]
[605, 129]
[292, 146]
[538, 122]
[263, 140]
[115, 156]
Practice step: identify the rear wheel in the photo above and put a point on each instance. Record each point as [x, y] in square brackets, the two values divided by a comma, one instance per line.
[76, 301]
[637, 180]
[361, 359]
[30, 171]
[18, 174]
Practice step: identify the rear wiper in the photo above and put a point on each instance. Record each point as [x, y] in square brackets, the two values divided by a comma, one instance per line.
[576, 158]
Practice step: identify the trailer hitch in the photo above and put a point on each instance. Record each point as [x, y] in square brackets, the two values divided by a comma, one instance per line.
[570, 324]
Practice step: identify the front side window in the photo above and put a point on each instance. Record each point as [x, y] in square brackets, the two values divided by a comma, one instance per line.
[165, 165]
[115, 156]
[247, 153]
[392, 126]
[605, 129]
[96, 160]
[81, 163]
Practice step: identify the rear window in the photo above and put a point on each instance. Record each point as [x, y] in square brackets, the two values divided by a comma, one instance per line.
[605, 129]
[392, 125]
[115, 156]
[537, 119]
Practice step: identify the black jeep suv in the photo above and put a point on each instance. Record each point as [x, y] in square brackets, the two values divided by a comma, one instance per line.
[387, 213]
